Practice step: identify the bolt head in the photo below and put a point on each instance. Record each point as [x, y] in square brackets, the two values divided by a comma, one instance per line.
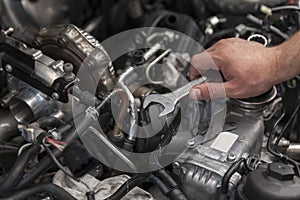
[55, 96]
[231, 157]
[8, 68]
[190, 142]
[176, 165]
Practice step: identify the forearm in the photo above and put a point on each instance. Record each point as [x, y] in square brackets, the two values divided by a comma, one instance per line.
[287, 59]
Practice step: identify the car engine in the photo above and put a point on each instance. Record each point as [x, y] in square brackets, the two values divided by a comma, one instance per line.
[75, 116]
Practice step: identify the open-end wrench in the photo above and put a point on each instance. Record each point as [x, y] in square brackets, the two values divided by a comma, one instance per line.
[169, 100]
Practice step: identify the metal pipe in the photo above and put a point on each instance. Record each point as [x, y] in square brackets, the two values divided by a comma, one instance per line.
[293, 151]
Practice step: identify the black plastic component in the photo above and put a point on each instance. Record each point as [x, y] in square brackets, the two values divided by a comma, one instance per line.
[138, 57]
[78, 159]
[277, 181]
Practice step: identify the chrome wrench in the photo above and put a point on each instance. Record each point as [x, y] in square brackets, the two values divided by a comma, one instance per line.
[169, 100]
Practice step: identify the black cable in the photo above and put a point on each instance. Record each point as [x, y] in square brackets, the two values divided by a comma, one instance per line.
[127, 186]
[46, 163]
[138, 180]
[283, 131]
[272, 133]
[283, 157]
[48, 188]
[174, 193]
[17, 169]
[49, 121]
[57, 163]
[233, 168]
[162, 173]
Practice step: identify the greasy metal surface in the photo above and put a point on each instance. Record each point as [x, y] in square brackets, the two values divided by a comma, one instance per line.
[201, 168]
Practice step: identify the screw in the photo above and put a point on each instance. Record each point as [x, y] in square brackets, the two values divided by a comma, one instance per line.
[176, 165]
[231, 157]
[191, 142]
[55, 96]
[9, 31]
[8, 68]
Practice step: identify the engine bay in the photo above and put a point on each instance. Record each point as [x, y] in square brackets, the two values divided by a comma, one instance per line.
[94, 103]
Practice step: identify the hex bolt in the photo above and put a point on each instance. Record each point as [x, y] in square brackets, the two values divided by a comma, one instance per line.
[55, 96]
[8, 68]
[231, 157]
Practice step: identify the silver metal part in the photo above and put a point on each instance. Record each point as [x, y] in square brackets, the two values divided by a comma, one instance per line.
[47, 70]
[293, 151]
[103, 189]
[200, 169]
[169, 100]
[258, 38]
[256, 104]
[8, 125]
[29, 104]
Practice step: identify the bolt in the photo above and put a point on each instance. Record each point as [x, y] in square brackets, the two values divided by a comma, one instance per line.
[61, 42]
[231, 157]
[68, 69]
[191, 142]
[8, 68]
[9, 31]
[176, 165]
[55, 96]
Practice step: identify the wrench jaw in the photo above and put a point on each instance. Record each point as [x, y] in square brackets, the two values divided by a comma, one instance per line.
[153, 98]
[167, 110]
[147, 101]
[164, 101]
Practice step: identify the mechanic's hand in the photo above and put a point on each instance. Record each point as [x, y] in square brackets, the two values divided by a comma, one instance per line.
[248, 67]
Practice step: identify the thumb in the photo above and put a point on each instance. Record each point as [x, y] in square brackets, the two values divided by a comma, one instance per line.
[208, 91]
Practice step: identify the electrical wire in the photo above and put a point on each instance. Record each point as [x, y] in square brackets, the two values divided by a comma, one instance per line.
[283, 157]
[283, 8]
[283, 131]
[57, 163]
[226, 178]
[22, 148]
[60, 145]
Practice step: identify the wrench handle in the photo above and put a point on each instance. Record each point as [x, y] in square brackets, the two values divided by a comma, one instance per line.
[184, 90]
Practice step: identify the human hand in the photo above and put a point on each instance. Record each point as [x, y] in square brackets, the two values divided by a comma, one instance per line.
[249, 69]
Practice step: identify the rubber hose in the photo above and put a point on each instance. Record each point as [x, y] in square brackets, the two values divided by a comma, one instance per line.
[49, 121]
[162, 173]
[17, 169]
[127, 186]
[233, 168]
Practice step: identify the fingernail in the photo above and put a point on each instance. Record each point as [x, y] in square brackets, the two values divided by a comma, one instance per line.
[195, 94]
